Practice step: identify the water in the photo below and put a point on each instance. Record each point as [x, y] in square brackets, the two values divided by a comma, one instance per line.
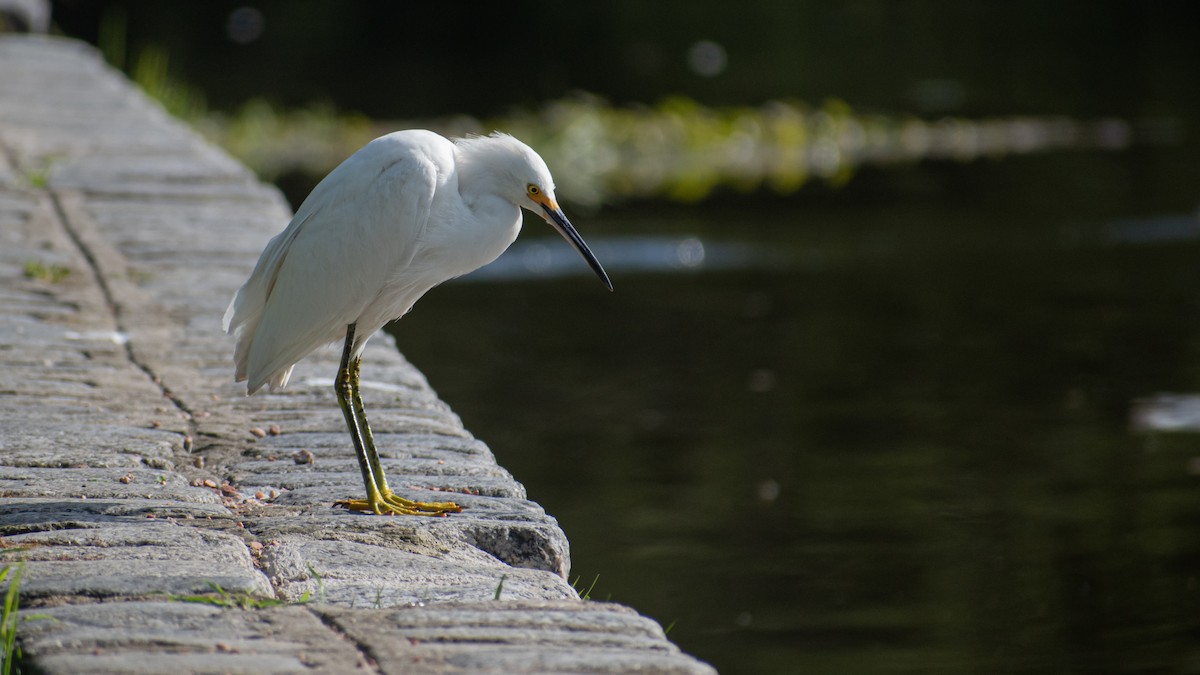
[893, 428]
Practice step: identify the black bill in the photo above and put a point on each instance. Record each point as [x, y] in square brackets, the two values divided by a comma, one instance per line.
[564, 227]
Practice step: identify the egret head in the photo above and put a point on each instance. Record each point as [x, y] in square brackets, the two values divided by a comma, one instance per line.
[521, 175]
[542, 199]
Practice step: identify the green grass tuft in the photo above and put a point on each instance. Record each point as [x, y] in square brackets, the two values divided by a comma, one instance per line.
[9, 619]
[38, 178]
[39, 271]
[585, 595]
[321, 586]
[240, 600]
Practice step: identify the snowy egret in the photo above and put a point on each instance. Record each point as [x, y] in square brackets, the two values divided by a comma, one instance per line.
[403, 214]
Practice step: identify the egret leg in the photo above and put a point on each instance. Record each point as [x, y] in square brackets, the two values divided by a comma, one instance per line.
[407, 506]
[380, 498]
[345, 391]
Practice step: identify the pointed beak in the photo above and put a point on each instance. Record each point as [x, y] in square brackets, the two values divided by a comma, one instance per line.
[556, 218]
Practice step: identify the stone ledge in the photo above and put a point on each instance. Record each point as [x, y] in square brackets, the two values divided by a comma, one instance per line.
[134, 471]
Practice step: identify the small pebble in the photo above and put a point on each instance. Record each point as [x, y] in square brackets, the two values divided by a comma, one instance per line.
[274, 430]
[210, 483]
[304, 457]
[257, 433]
[259, 495]
[198, 462]
[187, 443]
[126, 479]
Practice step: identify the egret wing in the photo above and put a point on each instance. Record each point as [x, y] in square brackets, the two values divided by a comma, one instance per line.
[357, 228]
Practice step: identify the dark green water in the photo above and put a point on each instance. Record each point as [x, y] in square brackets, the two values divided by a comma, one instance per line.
[897, 438]
[908, 447]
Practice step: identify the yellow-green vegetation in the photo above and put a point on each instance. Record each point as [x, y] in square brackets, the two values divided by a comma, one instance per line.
[584, 595]
[151, 71]
[39, 271]
[38, 178]
[150, 68]
[9, 618]
[243, 600]
[676, 149]
[240, 600]
[274, 142]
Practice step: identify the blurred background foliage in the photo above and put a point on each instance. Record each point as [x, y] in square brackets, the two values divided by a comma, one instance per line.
[649, 100]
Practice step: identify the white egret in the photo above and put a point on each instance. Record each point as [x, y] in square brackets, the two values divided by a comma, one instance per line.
[403, 214]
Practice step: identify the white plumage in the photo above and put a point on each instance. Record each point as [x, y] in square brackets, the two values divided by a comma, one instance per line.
[403, 214]
[400, 216]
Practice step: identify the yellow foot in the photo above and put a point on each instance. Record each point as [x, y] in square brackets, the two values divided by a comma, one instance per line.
[390, 504]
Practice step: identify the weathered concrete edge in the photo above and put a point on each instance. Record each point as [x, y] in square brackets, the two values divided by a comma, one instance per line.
[129, 294]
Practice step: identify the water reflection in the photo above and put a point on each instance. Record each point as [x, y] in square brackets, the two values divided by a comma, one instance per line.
[532, 258]
[916, 456]
[1157, 229]
[1167, 412]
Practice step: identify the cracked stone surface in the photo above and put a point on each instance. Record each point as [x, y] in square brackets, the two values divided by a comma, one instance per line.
[165, 521]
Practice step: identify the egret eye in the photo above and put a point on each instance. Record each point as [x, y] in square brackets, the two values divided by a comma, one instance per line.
[533, 190]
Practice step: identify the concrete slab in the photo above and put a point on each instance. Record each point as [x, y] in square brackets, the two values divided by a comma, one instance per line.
[183, 637]
[516, 637]
[133, 559]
